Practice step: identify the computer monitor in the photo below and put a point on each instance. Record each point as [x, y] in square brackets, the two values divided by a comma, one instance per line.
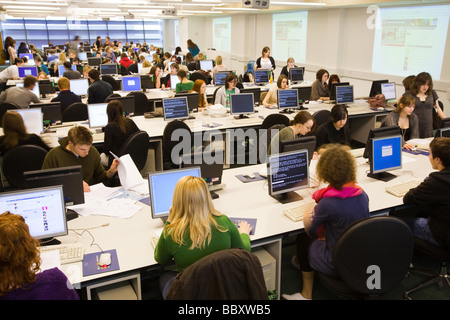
[192, 100]
[256, 94]
[378, 133]
[32, 119]
[97, 115]
[333, 89]
[51, 112]
[304, 94]
[82, 56]
[287, 172]
[375, 88]
[27, 71]
[140, 66]
[175, 108]
[146, 82]
[62, 69]
[86, 49]
[386, 155]
[219, 78]
[206, 65]
[128, 104]
[287, 100]
[445, 123]
[173, 81]
[94, 61]
[302, 143]
[109, 68]
[79, 86]
[161, 187]
[442, 132]
[296, 74]
[262, 76]
[46, 86]
[35, 89]
[131, 83]
[344, 94]
[79, 68]
[388, 90]
[71, 179]
[43, 210]
[28, 55]
[241, 104]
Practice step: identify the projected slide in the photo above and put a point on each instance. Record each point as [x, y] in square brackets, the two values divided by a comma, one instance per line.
[289, 36]
[410, 40]
[222, 34]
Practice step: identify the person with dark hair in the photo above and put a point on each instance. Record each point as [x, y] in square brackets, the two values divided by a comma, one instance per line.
[265, 61]
[99, 90]
[69, 73]
[185, 84]
[193, 48]
[125, 61]
[174, 68]
[22, 48]
[319, 88]
[335, 130]
[271, 97]
[155, 76]
[334, 78]
[224, 92]
[407, 82]
[10, 73]
[21, 96]
[40, 66]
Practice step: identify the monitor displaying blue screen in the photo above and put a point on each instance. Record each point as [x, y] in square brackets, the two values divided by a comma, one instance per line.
[219, 78]
[28, 55]
[62, 69]
[131, 83]
[344, 94]
[27, 71]
[262, 76]
[161, 187]
[386, 154]
[175, 108]
[287, 98]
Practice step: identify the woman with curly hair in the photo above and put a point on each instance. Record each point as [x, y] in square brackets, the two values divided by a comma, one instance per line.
[338, 205]
[20, 262]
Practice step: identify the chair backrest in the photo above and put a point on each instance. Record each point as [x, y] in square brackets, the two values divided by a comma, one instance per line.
[169, 144]
[20, 159]
[192, 66]
[133, 68]
[141, 103]
[111, 81]
[75, 112]
[232, 274]
[137, 147]
[273, 119]
[373, 255]
[5, 106]
[214, 95]
[197, 75]
[112, 96]
[124, 70]
[321, 117]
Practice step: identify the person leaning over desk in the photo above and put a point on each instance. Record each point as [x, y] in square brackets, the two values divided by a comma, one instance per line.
[20, 274]
[195, 229]
[77, 149]
[21, 96]
[99, 90]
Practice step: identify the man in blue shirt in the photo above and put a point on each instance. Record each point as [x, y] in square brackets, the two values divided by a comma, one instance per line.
[99, 90]
[65, 96]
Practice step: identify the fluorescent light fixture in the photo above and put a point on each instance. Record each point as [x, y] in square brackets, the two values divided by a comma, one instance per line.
[145, 7]
[305, 4]
[26, 3]
[28, 8]
[197, 11]
[235, 9]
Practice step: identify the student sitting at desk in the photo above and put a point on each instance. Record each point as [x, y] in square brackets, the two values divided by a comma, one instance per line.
[76, 149]
[335, 130]
[404, 117]
[218, 67]
[15, 134]
[338, 205]
[319, 88]
[195, 229]
[65, 97]
[10, 73]
[334, 78]
[200, 88]
[117, 131]
[271, 98]
[290, 63]
[155, 76]
[146, 67]
[40, 66]
[249, 73]
[99, 90]
[174, 68]
[184, 84]
[223, 93]
[59, 62]
[125, 61]
[69, 73]
[21, 278]
[21, 96]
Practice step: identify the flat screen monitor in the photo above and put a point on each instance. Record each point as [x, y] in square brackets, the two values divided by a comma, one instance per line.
[146, 82]
[388, 90]
[140, 66]
[287, 172]
[161, 187]
[256, 94]
[206, 65]
[109, 68]
[304, 94]
[33, 120]
[82, 56]
[27, 71]
[79, 86]
[97, 115]
[173, 81]
[442, 132]
[375, 88]
[344, 94]
[333, 89]
[175, 108]
[302, 143]
[241, 104]
[386, 155]
[192, 100]
[128, 104]
[262, 76]
[28, 55]
[43, 210]
[94, 61]
[62, 69]
[35, 89]
[287, 99]
[46, 87]
[296, 74]
[445, 123]
[70, 178]
[219, 78]
[131, 83]
[86, 49]
[378, 133]
[51, 112]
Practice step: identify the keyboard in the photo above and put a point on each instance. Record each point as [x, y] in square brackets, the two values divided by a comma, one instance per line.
[68, 253]
[399, 190]
[297, 213]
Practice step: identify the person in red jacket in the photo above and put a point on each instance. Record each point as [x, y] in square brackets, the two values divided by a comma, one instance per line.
[125, 61]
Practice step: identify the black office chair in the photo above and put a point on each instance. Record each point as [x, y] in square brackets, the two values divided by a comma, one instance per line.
[321, 117]
[133, 68]
[75, 112]
[214, 95]
[273, 119]
[141, 103]
[111, 81]
[192, 66]
[232, 274]
[197, 75]
[168, 144]
[370, 258]
[20, 159]
[5, 107]
[112, 96]
[137, 147]
[124, 70]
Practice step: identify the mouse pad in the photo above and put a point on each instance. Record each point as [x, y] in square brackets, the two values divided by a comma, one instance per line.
[91, 265]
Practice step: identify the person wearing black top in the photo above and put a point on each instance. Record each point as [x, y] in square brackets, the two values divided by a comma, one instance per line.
[290, 63]
[99, 90]
[335, 130]
[65, 96]
[69, 73]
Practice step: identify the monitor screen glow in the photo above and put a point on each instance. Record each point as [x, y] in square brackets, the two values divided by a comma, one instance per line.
[388, 90]
[206, 65]
[82, 56]
[97, 115]
[131, 83]
[62, 69]
[33, 120]
[262, 76]
[219, 78]
[296, 74]
[386, 154]
[173, 81]
[287, 98]
[27, 71]
[175, 108]
[35, 89]
[79, 86]
[344, 94]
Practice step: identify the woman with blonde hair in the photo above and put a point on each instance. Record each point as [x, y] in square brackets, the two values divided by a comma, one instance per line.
[61, 59]
[218, 67]
[195, 229]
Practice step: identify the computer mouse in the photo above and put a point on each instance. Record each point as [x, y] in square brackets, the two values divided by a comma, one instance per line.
[105, 259]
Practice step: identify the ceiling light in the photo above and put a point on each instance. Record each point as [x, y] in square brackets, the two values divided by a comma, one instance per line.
[26, 3]
[236, 9]
[197, 11]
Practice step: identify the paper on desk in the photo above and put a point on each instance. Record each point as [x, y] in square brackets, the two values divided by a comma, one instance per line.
[420, 143]
[128, 173]
[50, 259]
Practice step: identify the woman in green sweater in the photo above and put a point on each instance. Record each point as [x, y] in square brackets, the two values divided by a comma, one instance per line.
[195, 229]
[184, 84]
